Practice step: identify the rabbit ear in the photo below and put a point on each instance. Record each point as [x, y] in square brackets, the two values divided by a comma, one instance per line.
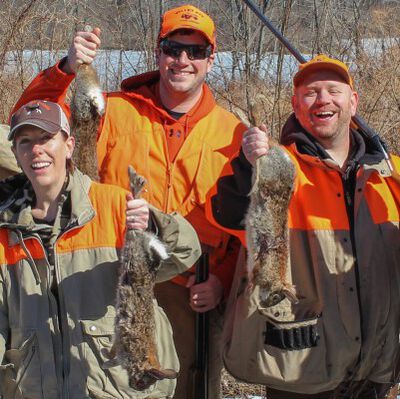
[149, 377]
[158, 248]
[136, 182]
[161, 374]
[108, 364]
[113, 360]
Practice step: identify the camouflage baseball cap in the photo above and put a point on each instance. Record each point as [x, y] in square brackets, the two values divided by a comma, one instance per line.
[46, 115]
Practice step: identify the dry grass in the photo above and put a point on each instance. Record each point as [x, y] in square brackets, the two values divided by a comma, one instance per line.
[232, 388]
[379, 87]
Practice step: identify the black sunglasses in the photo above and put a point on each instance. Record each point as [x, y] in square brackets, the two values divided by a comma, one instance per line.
[193, 51]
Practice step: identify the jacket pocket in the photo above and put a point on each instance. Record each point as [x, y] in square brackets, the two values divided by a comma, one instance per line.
[286, 329]
[22, 375]
[108, 379]
[270, 351]
[103, 381]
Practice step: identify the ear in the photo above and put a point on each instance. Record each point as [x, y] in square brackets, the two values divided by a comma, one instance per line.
[353, 102]
[210, 62]
[294, 103]
[70, 145]
[157, 53]
[15, 154]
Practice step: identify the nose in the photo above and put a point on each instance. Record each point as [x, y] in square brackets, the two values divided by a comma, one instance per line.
[37, 148]
[323, 97]
[183, 58]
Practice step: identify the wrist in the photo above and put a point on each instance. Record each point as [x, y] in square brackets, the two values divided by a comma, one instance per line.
[65, 66]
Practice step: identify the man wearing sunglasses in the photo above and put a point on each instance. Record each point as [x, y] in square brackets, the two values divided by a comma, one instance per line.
[167, 124]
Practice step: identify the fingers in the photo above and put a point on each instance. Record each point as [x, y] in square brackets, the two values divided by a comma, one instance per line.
[137, 214]
[96, 31]
[263, 127]
[205, 296]
[83, 50]
[133, 204]
[255, 143]
[202, 304]
[91, 40]
[84, 55]
[191, 281]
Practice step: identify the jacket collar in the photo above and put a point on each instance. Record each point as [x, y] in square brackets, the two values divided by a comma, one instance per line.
[82, 210]
[145, 87]
[15, 211]
[364, 151]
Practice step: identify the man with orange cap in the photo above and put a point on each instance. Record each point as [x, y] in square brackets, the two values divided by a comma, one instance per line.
[167, 124]
[341, 338]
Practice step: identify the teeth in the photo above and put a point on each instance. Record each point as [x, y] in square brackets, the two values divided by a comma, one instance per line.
[38, 165]
[180, 72]
[325, 113]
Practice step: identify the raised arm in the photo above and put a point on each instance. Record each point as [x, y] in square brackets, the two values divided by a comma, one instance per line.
[52, 83]
[227, 202]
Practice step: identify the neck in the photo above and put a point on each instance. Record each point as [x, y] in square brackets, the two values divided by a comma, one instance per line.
[339, 149]
[47, 201]
[181, 102]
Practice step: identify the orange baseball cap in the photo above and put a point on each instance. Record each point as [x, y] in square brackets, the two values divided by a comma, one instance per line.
[187, 17]
[321, 62]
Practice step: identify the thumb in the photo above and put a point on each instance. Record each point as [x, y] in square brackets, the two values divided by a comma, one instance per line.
[97, 31]
[191, 281]
[263, 127]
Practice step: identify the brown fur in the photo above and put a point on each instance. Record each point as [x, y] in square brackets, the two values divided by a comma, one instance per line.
[266, 226]
[135, 346]
[87, 108]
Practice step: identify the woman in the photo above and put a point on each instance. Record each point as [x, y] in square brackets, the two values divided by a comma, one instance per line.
[60, 239]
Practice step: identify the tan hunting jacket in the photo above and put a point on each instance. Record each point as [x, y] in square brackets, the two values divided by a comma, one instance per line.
[344, 229]
[52, 341]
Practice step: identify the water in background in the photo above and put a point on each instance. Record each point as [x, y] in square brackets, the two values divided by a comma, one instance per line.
[116, 65]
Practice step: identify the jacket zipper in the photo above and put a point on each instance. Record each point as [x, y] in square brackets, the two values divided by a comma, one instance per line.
[50, 295]
[349, 179]
[61, 325]
[64, 318]
[171, 165]
[57, 325]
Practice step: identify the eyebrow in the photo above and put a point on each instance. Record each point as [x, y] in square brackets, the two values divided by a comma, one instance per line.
[312, 86]
[24, 134]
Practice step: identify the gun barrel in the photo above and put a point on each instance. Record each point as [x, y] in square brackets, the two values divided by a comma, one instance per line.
[275, 31]
[202, 326]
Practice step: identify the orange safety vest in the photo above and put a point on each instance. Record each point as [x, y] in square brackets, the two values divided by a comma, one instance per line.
[133, 133]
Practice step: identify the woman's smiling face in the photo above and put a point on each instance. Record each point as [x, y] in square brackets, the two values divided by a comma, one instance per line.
[42, 156]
